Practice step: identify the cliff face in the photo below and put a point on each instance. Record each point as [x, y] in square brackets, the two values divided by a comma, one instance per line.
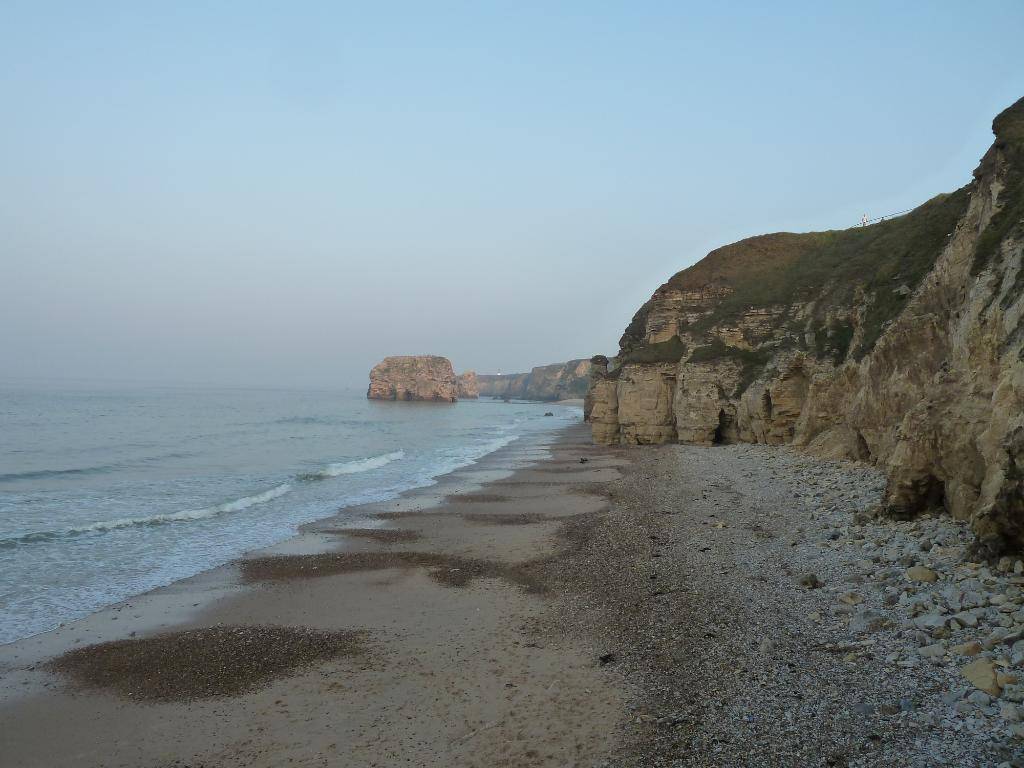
[415, 377]
[468, 388]
[899, 343]
[560, 381]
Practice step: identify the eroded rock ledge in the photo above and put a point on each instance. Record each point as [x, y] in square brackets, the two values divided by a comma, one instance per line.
[899, 344]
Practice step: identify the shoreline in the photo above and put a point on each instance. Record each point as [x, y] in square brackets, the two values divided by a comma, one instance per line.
[669, 605]
[75, 601]
[460, 479]
[481, 559]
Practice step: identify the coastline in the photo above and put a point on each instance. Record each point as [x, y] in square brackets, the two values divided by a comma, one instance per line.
[647, 606]
[456, 646]
[113, 524]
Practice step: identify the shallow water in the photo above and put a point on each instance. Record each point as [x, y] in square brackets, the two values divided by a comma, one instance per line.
[108, 493]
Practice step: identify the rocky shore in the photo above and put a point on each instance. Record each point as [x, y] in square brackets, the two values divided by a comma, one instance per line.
[766, 617]
[562, 605]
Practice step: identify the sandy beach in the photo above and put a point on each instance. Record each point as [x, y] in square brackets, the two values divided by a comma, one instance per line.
[419, 639]
[568, 605]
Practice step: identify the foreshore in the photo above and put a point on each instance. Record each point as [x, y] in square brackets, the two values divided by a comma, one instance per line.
[415, 638]
[567, 605]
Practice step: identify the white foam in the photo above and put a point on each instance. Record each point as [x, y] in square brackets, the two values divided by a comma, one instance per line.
[357, 466]
[172, 517]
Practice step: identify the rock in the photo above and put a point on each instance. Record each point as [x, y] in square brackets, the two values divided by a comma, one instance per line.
[1014, 692]
[467, 387]
[982, 675]
[922, 574]
[851, 598]
[548, 413]
[418, 377]
[936, 651]
[997, 636]
[979, 698]
[1005, 678]
[967, 618]
[810, 581]
[867, 620]
[930, 622]
[971, 648]
[918, 638]
[955, 695]
[1009, 712]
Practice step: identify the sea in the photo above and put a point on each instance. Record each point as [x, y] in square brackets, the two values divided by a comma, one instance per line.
[109, 492]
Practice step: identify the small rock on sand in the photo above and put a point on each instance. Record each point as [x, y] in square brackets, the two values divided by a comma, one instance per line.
[922, 574]
[810, 581]
[981, 674]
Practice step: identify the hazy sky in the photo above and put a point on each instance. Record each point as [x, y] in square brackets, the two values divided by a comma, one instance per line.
[283, 193]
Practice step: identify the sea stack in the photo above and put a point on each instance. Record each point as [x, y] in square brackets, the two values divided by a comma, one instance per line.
[413, 377]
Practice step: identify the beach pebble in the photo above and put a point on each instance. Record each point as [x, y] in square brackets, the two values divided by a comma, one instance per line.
[920, 573]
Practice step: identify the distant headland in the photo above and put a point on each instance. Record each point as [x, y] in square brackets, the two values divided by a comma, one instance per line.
[431, 378]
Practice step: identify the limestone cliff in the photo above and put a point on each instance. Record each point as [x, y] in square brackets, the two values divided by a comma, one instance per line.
[468, 387]
[414, 377]
[898, 343]
[560, 381]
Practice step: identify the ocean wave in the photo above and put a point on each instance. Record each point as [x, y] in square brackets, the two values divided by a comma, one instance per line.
[237, 505]
[354, 467]
[39, 474]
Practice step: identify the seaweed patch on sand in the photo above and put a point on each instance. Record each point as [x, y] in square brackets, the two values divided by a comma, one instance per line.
[202, 663]
[380, 535]
[404, 513]
[475, 498]
[524, 518]
[450, 570]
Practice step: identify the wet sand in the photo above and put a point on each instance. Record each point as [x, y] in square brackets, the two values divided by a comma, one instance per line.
[418, 635]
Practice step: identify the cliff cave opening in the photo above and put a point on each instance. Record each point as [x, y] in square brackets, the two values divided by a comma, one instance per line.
[932, 493]
[863, 451]
[766, 404]
[723, 432]
[925, 493]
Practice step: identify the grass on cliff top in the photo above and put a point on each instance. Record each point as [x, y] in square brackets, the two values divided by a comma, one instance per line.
[785, 268]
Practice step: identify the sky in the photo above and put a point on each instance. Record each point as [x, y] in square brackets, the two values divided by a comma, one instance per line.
[281, 194]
